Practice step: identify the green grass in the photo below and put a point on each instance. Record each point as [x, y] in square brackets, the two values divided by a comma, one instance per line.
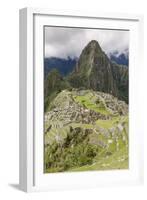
[118, 160]
[112, 147]
[88, 101]
[84, 126]
[108, 123]
[112, 122]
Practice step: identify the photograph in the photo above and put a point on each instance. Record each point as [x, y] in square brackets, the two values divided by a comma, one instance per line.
[86, 99]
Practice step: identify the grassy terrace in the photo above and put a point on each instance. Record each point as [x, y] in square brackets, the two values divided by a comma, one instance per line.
[111, 122]
[90, 102]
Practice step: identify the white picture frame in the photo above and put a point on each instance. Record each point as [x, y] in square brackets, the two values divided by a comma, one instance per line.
[31, 101]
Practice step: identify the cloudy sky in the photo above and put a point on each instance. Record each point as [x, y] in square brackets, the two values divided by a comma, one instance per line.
[64, 42]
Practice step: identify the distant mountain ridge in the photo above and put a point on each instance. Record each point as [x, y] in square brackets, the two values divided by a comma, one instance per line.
[66, 66]
[120, 58]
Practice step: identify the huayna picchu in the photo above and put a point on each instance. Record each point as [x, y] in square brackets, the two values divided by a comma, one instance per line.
[95, 71]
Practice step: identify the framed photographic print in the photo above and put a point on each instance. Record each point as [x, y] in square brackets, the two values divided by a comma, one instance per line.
[80, 121]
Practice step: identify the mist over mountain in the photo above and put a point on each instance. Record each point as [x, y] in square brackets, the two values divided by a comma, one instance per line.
[66, 66]
[120, 58]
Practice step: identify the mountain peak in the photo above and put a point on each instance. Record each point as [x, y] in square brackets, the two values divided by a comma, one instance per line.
[94, 45]
[95, 70]
[90, 53]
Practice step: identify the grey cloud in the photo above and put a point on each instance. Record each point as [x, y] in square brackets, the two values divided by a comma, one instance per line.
[64, 42]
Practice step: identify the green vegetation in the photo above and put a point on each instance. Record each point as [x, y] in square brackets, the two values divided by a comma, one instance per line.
[53, 85]
[79, 146]
[89, 102]
[108, 123]
[82, 147]
[118, 160]
[73, 151]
